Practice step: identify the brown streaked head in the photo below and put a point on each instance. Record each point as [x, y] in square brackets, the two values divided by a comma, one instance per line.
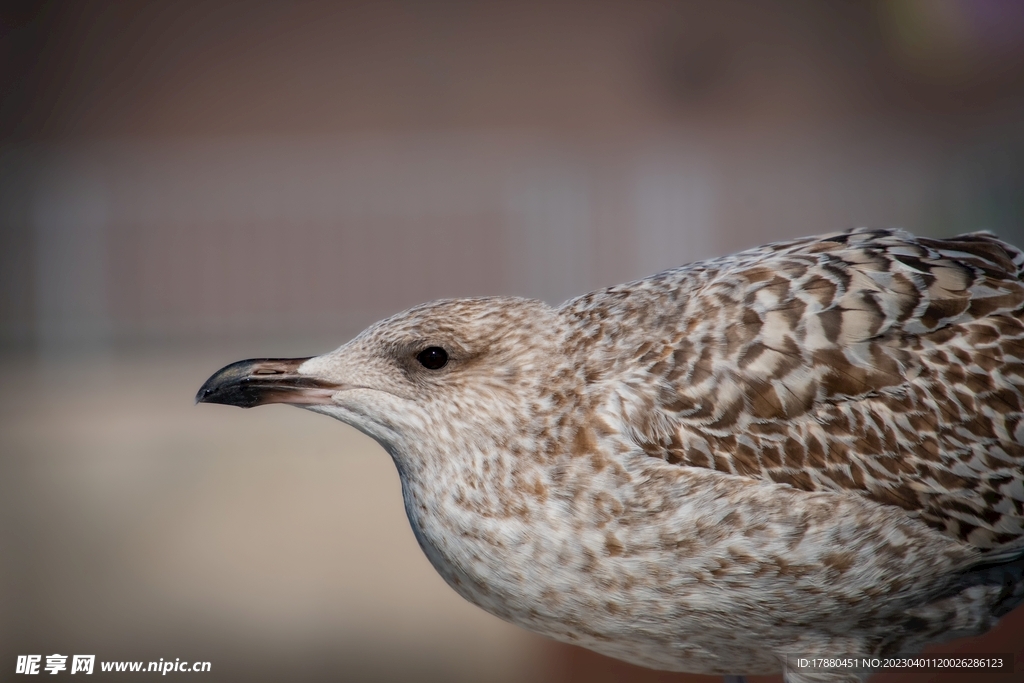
[258, 381]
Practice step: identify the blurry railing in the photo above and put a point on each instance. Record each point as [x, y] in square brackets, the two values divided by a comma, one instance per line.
[197, 239]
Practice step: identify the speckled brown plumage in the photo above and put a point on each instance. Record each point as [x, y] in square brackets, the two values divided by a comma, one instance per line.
[865, 361]
[814, 447]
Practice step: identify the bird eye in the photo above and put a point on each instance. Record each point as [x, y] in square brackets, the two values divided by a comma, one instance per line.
[433, 358]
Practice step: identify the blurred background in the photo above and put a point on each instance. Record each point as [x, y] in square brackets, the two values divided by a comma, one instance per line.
[185, 184]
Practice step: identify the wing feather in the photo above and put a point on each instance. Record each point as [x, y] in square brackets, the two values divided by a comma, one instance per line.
[871, 360]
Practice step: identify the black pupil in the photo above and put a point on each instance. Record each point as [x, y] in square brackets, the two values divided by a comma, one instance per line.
[433, 358]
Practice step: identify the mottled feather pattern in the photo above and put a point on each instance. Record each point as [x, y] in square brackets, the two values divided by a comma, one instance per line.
[813, 447]
[868, 361]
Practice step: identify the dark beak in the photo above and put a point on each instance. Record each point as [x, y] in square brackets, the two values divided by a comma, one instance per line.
[255, 382]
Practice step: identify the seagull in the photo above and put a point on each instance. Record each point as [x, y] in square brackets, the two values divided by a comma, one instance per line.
[813, 449]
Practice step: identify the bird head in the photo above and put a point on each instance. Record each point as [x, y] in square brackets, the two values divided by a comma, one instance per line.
[447, 372]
